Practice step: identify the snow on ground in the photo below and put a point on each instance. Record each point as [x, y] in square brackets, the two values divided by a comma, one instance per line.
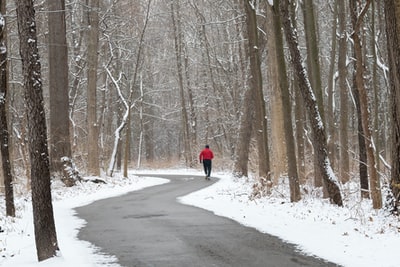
[354, 235]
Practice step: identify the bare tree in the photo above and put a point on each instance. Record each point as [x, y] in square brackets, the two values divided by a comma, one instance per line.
[287, 110]
[260, 125]
[4, 134]
[60, 143]
[343, 89]
[241, 160]
[45, 231]
[374, 179]
[392, 15]
[317, 125]
[176, 21]
[92, 58]
[313, 70]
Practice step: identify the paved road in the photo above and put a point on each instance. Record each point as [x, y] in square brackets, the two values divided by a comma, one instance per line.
[150, 228]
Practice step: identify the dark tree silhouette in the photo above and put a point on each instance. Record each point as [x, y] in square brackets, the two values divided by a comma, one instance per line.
[45, 232]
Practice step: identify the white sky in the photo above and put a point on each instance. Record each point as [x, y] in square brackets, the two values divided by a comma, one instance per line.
[354, 235]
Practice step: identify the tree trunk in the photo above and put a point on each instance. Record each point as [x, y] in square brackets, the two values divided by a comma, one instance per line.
[257, 88]
[300, 116]
[287, 110]
[246, 117]
[319, 138]
[92, 124]
[362, 150]
[278, 145]
[344, 170]
[179, 64]
[60, 143]
[392, 15]
[374, 179]
[330, 114]
[314, 71]
[241, 160]
[4, 134]
[45, 231]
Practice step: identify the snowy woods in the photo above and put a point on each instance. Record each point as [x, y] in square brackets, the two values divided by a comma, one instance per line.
[304, 90]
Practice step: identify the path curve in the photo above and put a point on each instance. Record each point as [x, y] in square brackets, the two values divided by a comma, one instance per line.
[150, 228]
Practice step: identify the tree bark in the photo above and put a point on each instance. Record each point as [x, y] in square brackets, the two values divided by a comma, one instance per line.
[246, 117]
[241, 160]
[45, 231]
[278, 145]
[374, 180]
[4, 133]
[319, 137]
[179, 64]
[314, 71]
[330, 112]
[60, 143]
[257, 88]
[287, 110]
[344, 170]
[92, 123]
[392, 15]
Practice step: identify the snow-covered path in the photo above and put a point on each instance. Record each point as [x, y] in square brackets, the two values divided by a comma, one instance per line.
[355, 235]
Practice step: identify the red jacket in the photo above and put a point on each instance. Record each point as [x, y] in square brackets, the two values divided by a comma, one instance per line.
[206, 154]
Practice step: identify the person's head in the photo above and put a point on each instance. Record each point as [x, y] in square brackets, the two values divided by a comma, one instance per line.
[207, 146]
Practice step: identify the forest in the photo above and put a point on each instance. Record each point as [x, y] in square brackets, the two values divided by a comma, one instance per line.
[305, 90]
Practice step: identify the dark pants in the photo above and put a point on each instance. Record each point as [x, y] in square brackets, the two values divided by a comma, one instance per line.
[207, 167]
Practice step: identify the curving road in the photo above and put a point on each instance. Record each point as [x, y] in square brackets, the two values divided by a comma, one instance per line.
[150, 228]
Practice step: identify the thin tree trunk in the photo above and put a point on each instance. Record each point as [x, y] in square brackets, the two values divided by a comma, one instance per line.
[375, 86]
[344, 170]
[241, 160]
[330, 114]
[140, 145]
[362, 150]
[4, 134]
[300, 116]
[128, 104]
[374, 180]
[179, 64]
[319, 138]
[45, 231]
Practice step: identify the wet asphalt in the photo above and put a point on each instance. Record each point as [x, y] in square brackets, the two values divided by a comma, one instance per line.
[151, 228]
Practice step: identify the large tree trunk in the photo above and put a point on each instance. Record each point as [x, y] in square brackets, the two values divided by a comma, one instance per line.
[287, 110]
[374, 180]
[45, 231]
[92, 123]
[319, 137]
[392, 14]
[245, 127]
[278, 146]
[60, 143]
[257, 88]
[4, 134]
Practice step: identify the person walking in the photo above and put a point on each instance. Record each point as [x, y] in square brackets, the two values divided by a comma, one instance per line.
[206, 156]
